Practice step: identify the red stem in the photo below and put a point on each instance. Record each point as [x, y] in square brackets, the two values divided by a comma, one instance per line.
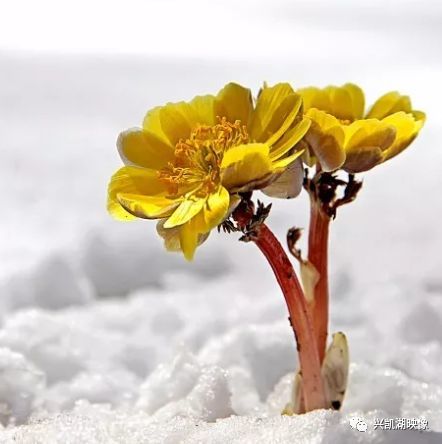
[318, 256]
[300, 317]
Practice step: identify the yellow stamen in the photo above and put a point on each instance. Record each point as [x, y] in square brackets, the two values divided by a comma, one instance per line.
[196, 166]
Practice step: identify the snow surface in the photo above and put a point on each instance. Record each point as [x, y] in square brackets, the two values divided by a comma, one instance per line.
[106, 338]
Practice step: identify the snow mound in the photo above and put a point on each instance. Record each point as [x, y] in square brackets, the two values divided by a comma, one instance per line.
[42, 286]
[96, 424]
[21, 385]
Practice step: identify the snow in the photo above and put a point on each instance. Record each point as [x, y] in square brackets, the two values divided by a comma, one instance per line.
[107, 338]
[121, 369]
[20, 384]
[97, 424]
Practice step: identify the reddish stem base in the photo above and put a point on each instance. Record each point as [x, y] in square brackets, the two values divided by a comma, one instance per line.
[300, 316]
[318, 257]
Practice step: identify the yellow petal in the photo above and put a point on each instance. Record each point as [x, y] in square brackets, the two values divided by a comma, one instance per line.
[288, 184]
[357, 100]
[269, 100]
[308, 156]
[419, 116]
[344, 102]
[315, 98]
[117, 211]
[234, 102]
[244, 164]
[132, 180]
[177, 121]
[323, 120]
[188, 208]
[326, 139]
[142, 148]
[407, 128]
[340, 102]
[283, 118]
[389, 103]
[290, 139]
[152, 124]
[174, 121]
[215, 210]
[147, 207]
[365, 142]
[196, 229]
[204, 110]
[171, 236]
[188, 240]
[369, 132]
[282, 164]
[362, 158]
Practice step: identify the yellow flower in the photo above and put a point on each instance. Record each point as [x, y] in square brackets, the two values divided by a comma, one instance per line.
[189, 161]
[341, 136]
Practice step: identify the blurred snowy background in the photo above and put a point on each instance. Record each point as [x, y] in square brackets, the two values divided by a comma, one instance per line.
[144, 347]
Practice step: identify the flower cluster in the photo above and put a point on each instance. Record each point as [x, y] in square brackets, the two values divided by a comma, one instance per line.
[189, 163]
[343, 136]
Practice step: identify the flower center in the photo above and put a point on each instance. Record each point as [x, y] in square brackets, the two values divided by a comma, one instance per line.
[196, 165]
